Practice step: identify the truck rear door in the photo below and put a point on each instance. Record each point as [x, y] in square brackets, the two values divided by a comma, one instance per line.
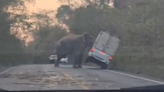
[112, 45]
[101, 40]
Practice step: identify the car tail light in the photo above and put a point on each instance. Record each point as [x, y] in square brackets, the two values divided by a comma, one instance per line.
[110, 58]
[93, 50]
[102, 53]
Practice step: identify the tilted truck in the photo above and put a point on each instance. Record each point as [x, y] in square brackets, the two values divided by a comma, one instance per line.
[103, 49]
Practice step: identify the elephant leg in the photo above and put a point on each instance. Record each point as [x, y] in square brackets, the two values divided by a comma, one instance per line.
[59, 57]
[79, 62]
[75, 63]
[57, 62]
[74, 60]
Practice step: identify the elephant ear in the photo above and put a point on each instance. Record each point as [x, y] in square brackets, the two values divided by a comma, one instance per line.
[88, 39]
[85, 36]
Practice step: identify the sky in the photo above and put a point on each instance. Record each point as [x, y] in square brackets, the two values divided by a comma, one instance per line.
[50, 5]
[43, 4]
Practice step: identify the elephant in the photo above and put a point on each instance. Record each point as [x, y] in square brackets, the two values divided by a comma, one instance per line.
[73, 45]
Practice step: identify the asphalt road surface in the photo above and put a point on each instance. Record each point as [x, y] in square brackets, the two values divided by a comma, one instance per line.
[47, 77]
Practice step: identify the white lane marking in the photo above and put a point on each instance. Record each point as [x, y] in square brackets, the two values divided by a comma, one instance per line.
[138, 77]
[7, 70]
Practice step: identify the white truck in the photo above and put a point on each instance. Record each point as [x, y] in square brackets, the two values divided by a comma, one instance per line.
[103, 49]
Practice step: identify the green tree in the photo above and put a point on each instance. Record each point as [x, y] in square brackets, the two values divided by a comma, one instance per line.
[10, 46]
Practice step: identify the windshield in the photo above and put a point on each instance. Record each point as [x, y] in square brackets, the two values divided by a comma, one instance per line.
[43, 44]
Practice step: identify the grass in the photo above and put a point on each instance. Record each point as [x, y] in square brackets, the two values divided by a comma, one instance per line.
[15, 59]
[144, 65]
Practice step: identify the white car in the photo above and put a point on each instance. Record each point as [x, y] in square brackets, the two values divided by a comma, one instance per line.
[64, 60]
[53, 58]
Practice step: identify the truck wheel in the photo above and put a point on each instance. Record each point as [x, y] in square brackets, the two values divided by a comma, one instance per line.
[104, 66]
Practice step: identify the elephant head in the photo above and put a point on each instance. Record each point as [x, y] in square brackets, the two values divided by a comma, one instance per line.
[88, 39]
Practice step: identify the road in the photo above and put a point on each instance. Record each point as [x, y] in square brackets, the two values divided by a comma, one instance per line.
[47, 77]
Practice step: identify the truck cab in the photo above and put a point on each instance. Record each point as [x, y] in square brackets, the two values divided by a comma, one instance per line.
[103, 49]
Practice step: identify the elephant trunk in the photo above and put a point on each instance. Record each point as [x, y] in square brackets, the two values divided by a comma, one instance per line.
[88, 39]
[89, 48]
